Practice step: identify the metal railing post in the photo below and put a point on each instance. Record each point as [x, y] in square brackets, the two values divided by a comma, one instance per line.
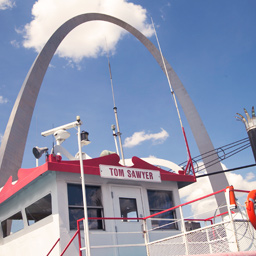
[231, 218]
[85, 221]
[79, 237]
[208, 239]
[145, 234]
[183, 229]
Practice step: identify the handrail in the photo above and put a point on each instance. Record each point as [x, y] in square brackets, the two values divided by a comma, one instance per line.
[170, 209]
[110, 218]
[53, 247]
[192, 201]
[71, 240]
[239, 190]
[159, 213]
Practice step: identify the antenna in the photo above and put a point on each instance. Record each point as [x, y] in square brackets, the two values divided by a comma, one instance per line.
[53, 142]
[189, 163]
[165, 69]
[115, 111]
[113, 128]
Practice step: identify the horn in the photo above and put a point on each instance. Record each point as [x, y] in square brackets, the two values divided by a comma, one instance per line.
[38, 152]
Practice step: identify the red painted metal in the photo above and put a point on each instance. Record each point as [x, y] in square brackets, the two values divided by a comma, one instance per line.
[244, 191]
[218, 215]
[53, 247]
[170, 209]
[79, 236]
[91, 166]
[71, 240]
[250, 207]
[153, 215]
[113, 218]
[189, 165]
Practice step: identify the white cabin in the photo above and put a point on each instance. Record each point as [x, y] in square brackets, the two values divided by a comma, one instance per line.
[42, 207]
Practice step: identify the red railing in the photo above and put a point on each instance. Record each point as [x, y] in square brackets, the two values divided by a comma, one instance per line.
[71, 240]
[53, 247]
[190, 202]
[150, 216]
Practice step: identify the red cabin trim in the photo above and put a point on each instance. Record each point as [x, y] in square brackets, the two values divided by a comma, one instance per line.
[91, 167]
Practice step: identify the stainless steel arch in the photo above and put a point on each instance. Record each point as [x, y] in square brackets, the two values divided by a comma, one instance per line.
[14, 140]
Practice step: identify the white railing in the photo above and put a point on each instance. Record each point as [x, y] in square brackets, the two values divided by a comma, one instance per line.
[225, 231]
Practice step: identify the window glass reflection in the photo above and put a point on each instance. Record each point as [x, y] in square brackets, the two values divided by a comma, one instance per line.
[128, 208]
[160, 200]
[94, 206]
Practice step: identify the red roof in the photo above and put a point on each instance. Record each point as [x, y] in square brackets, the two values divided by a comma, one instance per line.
[91, 166]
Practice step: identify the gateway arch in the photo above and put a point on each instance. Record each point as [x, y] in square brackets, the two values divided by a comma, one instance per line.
[15, 136]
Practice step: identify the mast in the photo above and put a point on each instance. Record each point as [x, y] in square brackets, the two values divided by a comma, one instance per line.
[116, 117]
[189, 163]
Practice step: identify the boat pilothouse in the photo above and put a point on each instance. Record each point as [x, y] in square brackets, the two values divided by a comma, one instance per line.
[107, 205]
[132, 209]
[44, 204]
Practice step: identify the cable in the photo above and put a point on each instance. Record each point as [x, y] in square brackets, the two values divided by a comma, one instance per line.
[223, 152]
[219, 148]
[216, 160]
[228, 170]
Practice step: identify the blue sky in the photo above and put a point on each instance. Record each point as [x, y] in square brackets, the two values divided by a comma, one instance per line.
[209, 44]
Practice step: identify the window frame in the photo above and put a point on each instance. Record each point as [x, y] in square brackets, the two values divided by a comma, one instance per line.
[89, 207]
[33, 203]
[136, 209]
[5, 232]
[173, 225]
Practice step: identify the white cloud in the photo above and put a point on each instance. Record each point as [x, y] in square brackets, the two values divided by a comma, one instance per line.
[203, 187]
[1, 137]
[72, 65]
[249, 176]
[87, 40]
[6, 4]
[139, 137]
[15, 43]
[3, 100]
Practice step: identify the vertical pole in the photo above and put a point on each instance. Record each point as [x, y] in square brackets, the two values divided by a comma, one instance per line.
[114, 135]
[231, 218]
[119, 135]
[79, 238]
[145, 233]
[208, 239]
[115, 112]
[85, 222]
[184, 230]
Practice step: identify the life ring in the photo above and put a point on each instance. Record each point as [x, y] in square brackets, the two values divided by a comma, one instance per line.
[250, 207]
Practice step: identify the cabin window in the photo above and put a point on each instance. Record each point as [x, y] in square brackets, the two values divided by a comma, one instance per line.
[94, 206]
[39, 210]
[160, 200]
[128, 208]
[12, 225]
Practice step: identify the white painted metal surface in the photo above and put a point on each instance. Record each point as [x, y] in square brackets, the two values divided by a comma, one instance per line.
[158, 162]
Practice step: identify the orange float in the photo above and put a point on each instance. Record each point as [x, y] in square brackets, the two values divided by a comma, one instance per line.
[250, 207]
[232, 198]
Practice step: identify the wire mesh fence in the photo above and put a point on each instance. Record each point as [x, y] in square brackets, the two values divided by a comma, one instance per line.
[227, 236]
[225, 229]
